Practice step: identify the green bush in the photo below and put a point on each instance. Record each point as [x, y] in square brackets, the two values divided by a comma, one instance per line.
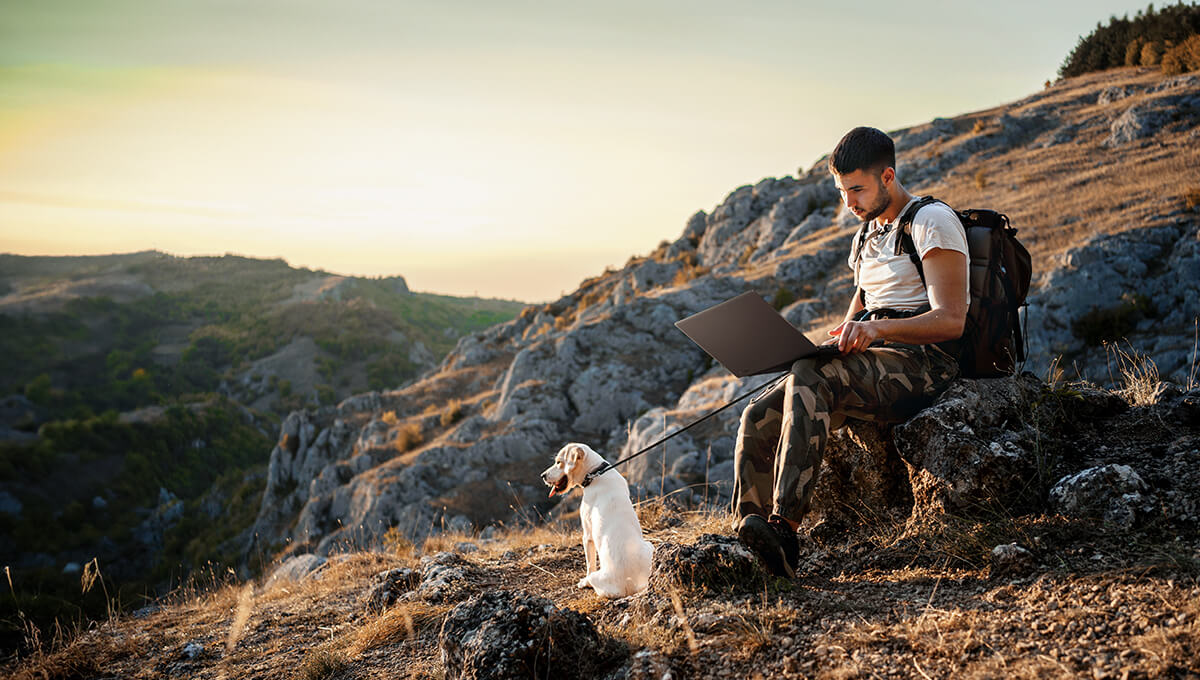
[1108, 324]
[783, 297]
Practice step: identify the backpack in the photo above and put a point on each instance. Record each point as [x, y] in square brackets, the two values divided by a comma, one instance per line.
[1000, 271]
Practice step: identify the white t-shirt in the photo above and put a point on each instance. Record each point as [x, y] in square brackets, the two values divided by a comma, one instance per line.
[890, 280]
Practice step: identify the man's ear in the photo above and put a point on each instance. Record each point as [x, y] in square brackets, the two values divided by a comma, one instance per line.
[888, 176]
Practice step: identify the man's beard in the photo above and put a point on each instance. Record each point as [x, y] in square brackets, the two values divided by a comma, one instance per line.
[885, 199]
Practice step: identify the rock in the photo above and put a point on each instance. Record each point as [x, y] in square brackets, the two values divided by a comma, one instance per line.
[192, 650]
[649, 664]
[389, 586]
[504, 635]
[1146, 118]
[1113, 493]
[1011, 560]
[1113, 93]
[98, 503]
[861, 477]
[296, 568]
[711, 563]
[71, 568]
[10, 505]
[961, 458]
[445, 577]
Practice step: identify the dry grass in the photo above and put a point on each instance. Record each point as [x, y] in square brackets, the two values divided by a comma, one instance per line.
[323, 664]
[405, 621]
[1139, 381]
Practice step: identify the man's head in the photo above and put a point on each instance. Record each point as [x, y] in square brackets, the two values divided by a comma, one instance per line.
[863, 167]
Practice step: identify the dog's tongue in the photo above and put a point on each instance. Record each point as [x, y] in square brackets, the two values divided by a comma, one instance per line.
[552, 492]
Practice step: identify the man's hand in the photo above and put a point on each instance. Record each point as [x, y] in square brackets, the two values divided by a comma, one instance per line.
[854, 336]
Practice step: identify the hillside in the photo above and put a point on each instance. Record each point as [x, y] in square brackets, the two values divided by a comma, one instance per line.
[141, 394]
[1099, 174]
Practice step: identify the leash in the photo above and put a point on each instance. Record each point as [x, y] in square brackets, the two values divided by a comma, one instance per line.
[589, 477]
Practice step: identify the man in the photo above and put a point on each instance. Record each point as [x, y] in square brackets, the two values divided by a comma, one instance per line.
[889, 366]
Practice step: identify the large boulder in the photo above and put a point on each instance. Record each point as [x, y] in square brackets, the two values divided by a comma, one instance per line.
[970, 451]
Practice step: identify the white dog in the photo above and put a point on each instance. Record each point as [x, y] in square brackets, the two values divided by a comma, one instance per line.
[618, 558]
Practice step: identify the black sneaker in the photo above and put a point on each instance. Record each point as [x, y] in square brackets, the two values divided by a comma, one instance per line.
[757, 534]
[787, 540]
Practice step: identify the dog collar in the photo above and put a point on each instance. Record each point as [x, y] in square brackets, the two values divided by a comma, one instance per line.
[587, 479]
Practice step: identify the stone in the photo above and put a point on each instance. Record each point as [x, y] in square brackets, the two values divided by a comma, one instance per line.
[1011, 560]
[388, 587]
[503, 634]
[10, 504]
[861, 478]
[649, 664]
[192, 650]
[1113, 493]
[960, 458]
[445, 577]
[713, 562]
[296, 568]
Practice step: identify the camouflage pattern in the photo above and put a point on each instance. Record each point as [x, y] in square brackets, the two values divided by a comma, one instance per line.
[783, 431]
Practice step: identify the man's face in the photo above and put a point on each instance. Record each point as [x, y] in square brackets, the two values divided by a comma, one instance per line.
[864, 192]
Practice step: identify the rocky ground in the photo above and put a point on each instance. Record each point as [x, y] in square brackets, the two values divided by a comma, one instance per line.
[1079, 560]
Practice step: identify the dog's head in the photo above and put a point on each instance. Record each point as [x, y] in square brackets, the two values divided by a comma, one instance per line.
[571, 465]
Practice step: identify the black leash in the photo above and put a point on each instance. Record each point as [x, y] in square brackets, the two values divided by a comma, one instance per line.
[587, 479]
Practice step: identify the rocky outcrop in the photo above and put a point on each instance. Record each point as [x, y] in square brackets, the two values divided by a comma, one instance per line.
[604, 364]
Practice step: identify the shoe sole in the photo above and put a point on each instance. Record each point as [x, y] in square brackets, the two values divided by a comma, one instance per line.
[765, 544]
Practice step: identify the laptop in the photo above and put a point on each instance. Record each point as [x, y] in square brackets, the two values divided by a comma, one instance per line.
[748, 337]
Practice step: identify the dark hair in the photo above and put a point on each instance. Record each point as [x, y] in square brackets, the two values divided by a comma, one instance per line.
[863, 148]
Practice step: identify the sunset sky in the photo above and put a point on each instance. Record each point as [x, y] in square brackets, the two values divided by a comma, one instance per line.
[505, 149]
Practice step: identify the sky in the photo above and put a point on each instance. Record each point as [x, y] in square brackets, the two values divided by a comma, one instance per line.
[476, 147]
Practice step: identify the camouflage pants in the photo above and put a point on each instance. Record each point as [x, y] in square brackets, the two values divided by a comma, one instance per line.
[783, 431]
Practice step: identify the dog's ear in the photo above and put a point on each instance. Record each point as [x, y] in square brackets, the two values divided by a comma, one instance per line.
[573, 457]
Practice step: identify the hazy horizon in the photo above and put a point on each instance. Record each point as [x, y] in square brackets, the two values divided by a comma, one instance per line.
[473, 148]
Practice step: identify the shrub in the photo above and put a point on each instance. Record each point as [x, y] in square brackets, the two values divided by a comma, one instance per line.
[1133, 51]
[323, 664]
[980, 180]
[1191, 198]
[1152, 53]
[1183, 57]
[1107, 324]
[783, 298]
[452, 413]
[408, 437]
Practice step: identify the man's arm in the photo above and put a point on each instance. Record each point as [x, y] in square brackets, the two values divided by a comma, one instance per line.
[946, 285]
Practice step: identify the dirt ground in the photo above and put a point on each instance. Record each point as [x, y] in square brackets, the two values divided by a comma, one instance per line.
[892, 601]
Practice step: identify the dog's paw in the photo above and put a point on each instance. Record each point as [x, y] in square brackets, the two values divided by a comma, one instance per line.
[583, 583]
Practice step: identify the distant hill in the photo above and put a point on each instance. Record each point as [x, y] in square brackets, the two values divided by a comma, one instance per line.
[123, 331]
[140, 395]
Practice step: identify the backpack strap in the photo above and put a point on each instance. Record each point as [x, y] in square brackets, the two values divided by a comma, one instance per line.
[904, 242]
[856, 255]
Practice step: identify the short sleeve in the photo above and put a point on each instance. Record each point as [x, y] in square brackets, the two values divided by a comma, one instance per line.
[937, 226]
